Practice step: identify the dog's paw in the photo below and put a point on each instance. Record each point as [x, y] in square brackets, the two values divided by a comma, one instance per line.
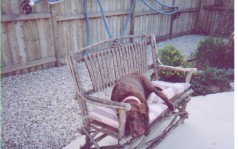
[171, 106]
[146, 132]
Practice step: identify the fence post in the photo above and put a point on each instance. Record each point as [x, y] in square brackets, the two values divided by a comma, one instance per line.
[172, 22]
[132, 20]
[200, 11]
[54, 11]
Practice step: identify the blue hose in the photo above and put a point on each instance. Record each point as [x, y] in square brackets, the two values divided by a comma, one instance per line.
[104, 19]
[128, 18]
[36, 1]
[88, 25]
[159, 11]
[87, 22]
[168, 6]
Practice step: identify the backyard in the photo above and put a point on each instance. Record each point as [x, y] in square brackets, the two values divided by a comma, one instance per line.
[38, 106]
[39, 110]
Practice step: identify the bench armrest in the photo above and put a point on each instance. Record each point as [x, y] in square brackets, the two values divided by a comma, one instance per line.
[189, 71]
[121, 107]
[107, 103]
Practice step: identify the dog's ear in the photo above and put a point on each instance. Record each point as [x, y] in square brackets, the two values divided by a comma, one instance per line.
[142, 108]
[134, 107]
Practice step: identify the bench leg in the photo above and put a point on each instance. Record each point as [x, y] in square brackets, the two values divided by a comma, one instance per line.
[93, 139]
[179, 118]
[183, 109]
[88, 139]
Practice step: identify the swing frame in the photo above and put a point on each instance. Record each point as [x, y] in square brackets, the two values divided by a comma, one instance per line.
[106, 62]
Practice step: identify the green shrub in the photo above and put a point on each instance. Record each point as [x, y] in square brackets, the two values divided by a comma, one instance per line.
[214, 52]
[213, 56]
[169, 55]
[211, 80]
[207, 81]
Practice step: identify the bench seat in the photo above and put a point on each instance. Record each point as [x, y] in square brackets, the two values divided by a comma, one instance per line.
[156, 105]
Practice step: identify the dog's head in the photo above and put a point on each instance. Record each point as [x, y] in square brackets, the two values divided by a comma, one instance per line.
[136, 119]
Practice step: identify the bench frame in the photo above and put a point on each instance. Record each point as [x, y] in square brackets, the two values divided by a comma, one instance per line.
[124, 55]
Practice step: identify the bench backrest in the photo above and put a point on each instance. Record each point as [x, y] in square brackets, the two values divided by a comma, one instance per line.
[109, 60]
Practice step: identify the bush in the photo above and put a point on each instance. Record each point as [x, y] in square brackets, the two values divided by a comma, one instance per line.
[207, 81]
[169, 55]
[211, 80]
[214, 52]
[213, 56]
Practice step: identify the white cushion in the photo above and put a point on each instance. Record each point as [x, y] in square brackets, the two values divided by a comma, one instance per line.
[156, 104]
[169, 89]
[109, 116]
[105, 115]
[155, 110]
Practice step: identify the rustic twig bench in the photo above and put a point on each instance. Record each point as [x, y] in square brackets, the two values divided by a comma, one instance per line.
[106, 62]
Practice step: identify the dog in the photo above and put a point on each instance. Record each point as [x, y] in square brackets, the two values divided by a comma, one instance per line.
[135, 89]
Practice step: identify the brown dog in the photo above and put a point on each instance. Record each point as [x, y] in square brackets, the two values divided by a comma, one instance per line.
[135, 89]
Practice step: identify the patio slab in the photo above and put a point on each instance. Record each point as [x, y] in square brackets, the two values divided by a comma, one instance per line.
[210, 126]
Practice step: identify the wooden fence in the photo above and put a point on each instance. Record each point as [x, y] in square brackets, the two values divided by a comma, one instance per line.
[217, 17]
[43, 38]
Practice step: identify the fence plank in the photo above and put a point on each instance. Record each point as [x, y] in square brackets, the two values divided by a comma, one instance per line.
[20, 42]
[6, 7]
[27, 31]
[6, 55]
[14, 7]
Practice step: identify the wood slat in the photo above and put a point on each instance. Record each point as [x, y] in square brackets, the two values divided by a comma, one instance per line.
[102, 71]
[115, 64]
[118, 70]
[128, 59]
[107, 66]
[123, 60]
[136, 58]
[23, 17]
[28, 65]
[111, 66]
[133, 56]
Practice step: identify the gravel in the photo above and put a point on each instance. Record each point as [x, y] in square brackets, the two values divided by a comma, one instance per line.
[185, 44]
[39, 110]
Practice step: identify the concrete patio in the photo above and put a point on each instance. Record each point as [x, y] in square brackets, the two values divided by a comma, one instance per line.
[210, 125]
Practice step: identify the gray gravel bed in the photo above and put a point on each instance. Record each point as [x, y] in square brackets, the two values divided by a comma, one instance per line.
[39, 110]
[185, 44]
